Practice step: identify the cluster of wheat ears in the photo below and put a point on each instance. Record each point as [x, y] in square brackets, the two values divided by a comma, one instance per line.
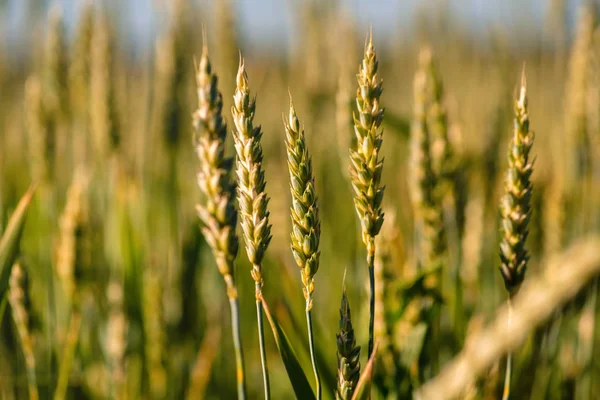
[122, 318]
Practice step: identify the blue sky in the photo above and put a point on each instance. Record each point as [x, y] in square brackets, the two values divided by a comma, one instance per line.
[271, 22]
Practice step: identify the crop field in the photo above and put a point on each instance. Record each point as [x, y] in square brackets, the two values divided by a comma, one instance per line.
[358, 214]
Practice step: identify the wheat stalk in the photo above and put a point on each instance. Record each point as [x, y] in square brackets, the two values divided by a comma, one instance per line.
[366, 166]
[252, 197]
[116, 338]
[217, 211]
[103, 110]
[19, 301]
[56, 68]
[566, 275]
[42, 146]
[515, 209]
[427, 195]
[154, 333]
[79, 81]
[72, 261]
[306, 226]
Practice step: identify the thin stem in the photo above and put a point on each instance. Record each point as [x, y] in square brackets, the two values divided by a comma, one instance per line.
[237, 343]
[371, 265]
[27, 348]
[311, 342]
[506, 391]
[261, 340]
[68, 355]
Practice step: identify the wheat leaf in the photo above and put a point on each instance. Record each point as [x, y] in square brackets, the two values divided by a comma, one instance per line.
[297, 377]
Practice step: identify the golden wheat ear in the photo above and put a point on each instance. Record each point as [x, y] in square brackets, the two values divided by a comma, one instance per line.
[217, 210]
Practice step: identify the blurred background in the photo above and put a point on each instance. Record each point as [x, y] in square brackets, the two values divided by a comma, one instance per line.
[95, 105]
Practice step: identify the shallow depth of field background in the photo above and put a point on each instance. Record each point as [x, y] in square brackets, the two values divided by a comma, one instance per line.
[142, 232]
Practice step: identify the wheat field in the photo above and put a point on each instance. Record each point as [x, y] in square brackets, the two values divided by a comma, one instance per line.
[359, 215]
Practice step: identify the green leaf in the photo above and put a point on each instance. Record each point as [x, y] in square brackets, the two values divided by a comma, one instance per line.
[363, 387]
[9, 244]
[297, 377]
[413, 345]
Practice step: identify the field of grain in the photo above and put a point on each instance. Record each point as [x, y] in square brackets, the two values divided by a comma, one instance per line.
[359, 215]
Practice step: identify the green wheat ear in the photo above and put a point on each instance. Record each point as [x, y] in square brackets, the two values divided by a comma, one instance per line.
[515, 206]
[348, 353]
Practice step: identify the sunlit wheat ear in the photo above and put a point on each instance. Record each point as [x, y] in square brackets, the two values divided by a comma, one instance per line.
[306, 226]
[73, 259]
[348, 353]
[20, 303]
[252, 196]
[515, 206]
[73, 252]
[366, 166]
[217, 210]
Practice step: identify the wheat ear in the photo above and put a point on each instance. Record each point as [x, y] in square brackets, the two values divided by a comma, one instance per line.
[515, 209]
[252, 197]
[348, 353]
[306, 227]
[366, 166]
[217, 211]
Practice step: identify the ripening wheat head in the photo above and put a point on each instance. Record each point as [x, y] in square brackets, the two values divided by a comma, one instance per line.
[348, 353]
[515, 206]
[252, 197]
[366, 167]
[217, 210]
[306, 227]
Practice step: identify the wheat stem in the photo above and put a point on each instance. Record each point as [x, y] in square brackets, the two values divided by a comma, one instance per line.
[306, 226]
[217, 211]
[68, 355]
[508, 373]
[311, 342]
[237, 344]
[366, 166]
[261, 341]
[371, 266]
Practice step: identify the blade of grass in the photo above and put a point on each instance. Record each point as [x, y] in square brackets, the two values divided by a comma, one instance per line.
[363, 387]
[9, 244]
[297, 377]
